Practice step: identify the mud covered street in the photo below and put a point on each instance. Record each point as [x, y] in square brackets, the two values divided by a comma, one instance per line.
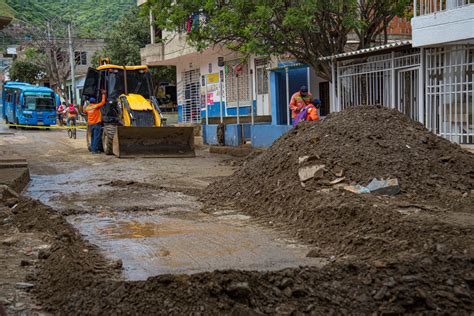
[142, 214]
[93, 234]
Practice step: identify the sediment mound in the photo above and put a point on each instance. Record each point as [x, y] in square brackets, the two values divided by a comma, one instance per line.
[435, 176]
[74, 278]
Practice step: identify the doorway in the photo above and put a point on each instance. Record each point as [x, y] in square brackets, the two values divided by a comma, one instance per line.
[408, 88]
[261, 84]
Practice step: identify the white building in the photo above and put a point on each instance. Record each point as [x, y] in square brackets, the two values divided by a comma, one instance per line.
[213, 83]
[430, 78]
[85, 50]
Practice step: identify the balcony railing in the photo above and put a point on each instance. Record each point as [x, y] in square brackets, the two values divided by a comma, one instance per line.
[425, 7]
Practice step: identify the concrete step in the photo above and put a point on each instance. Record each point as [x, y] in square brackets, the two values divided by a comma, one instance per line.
[233, 151]
[15, 178]
[6, 163]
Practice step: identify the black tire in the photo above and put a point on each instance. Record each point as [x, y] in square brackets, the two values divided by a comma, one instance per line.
[74, 133]
[69, 132]
[18, 123]
[108, 133]
[8, 122]
[88, 138]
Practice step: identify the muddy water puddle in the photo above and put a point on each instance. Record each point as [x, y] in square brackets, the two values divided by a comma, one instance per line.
[149, 244]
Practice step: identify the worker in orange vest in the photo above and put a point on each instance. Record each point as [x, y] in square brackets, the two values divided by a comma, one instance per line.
[299, 101]
[94, 120]
[312, 112]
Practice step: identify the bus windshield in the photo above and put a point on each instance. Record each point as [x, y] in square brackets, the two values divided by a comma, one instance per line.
[39, 101]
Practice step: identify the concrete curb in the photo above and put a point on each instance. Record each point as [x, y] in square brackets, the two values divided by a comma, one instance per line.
[14, 173]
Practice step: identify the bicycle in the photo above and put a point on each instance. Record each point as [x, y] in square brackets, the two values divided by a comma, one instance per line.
[71, 131]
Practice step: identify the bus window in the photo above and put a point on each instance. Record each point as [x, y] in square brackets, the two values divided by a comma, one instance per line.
[17, 98]
[39, 101]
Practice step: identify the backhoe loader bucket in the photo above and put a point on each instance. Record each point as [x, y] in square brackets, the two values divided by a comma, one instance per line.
[153, 142]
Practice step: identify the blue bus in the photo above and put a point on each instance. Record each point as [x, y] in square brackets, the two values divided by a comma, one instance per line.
[26, 104]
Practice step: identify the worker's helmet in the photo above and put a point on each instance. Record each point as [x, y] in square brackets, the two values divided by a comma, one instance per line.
[316, 103]
[304, 90]
[92, 100]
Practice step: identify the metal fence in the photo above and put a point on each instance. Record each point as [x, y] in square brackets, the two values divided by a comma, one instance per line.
[366, 83]
[449, 106]
[424, 7]
[434, 86]
[190, 96]
[390, 80]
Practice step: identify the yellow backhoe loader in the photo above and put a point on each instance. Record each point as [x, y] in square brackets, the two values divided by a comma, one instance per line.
[133, 125]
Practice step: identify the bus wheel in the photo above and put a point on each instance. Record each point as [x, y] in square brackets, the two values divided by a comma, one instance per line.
[18, 123]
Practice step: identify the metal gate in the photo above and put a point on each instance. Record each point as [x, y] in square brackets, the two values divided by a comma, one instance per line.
[449, 108]
[408, 91]
[189, 89]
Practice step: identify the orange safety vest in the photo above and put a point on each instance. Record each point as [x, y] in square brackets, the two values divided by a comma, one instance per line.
[93, 112]
[298, 102]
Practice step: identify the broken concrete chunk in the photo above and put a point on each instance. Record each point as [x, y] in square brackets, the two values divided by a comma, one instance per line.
[384, 187]
[238, 290]
[6, 192]
[315, 171]
[303, 159]
[338, 171]
[356, 189]
[336, 181]
[23, 285]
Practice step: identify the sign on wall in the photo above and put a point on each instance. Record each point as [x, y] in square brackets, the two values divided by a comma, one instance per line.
[213, 78]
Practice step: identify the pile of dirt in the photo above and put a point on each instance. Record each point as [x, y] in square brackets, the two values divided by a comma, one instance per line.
[73, 278]
[432, 211]
[70, 263]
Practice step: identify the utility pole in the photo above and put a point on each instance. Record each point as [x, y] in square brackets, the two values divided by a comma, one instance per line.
[72, 60]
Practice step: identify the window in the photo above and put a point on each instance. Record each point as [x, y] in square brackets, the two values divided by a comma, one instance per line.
[261, 76]
[237, 83]
[81, 58]
[9, 95]
[37, 101]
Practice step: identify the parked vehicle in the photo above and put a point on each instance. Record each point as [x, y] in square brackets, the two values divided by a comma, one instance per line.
[25, 104]
[133, 125]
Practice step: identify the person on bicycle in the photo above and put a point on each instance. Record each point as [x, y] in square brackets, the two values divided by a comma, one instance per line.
[60, 113]
[72, 114]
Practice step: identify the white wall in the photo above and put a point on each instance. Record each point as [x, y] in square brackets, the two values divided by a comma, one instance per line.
[453, 25]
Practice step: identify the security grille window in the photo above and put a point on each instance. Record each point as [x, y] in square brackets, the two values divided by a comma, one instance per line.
[81, 58]
[449, 104]
[370, 82]
[237, 80]
[189, 93]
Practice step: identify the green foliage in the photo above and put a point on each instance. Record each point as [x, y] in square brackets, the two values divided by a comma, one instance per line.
[6, 10]
[163, 74]
[123, 43]
[126, 37]
[95, 57]
[24, 71]
[92, 18]
[305, 29]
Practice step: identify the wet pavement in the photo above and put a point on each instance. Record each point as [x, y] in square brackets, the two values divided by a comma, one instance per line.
[142, 212]
[150, 244]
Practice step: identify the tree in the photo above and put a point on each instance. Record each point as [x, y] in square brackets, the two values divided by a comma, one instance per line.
[304, 29]
[126, 37]
[48, 49]
[123, 43]
[24, 71]
[375, 15]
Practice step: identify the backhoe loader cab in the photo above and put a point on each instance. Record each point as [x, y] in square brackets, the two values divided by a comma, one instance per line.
[133, 123]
